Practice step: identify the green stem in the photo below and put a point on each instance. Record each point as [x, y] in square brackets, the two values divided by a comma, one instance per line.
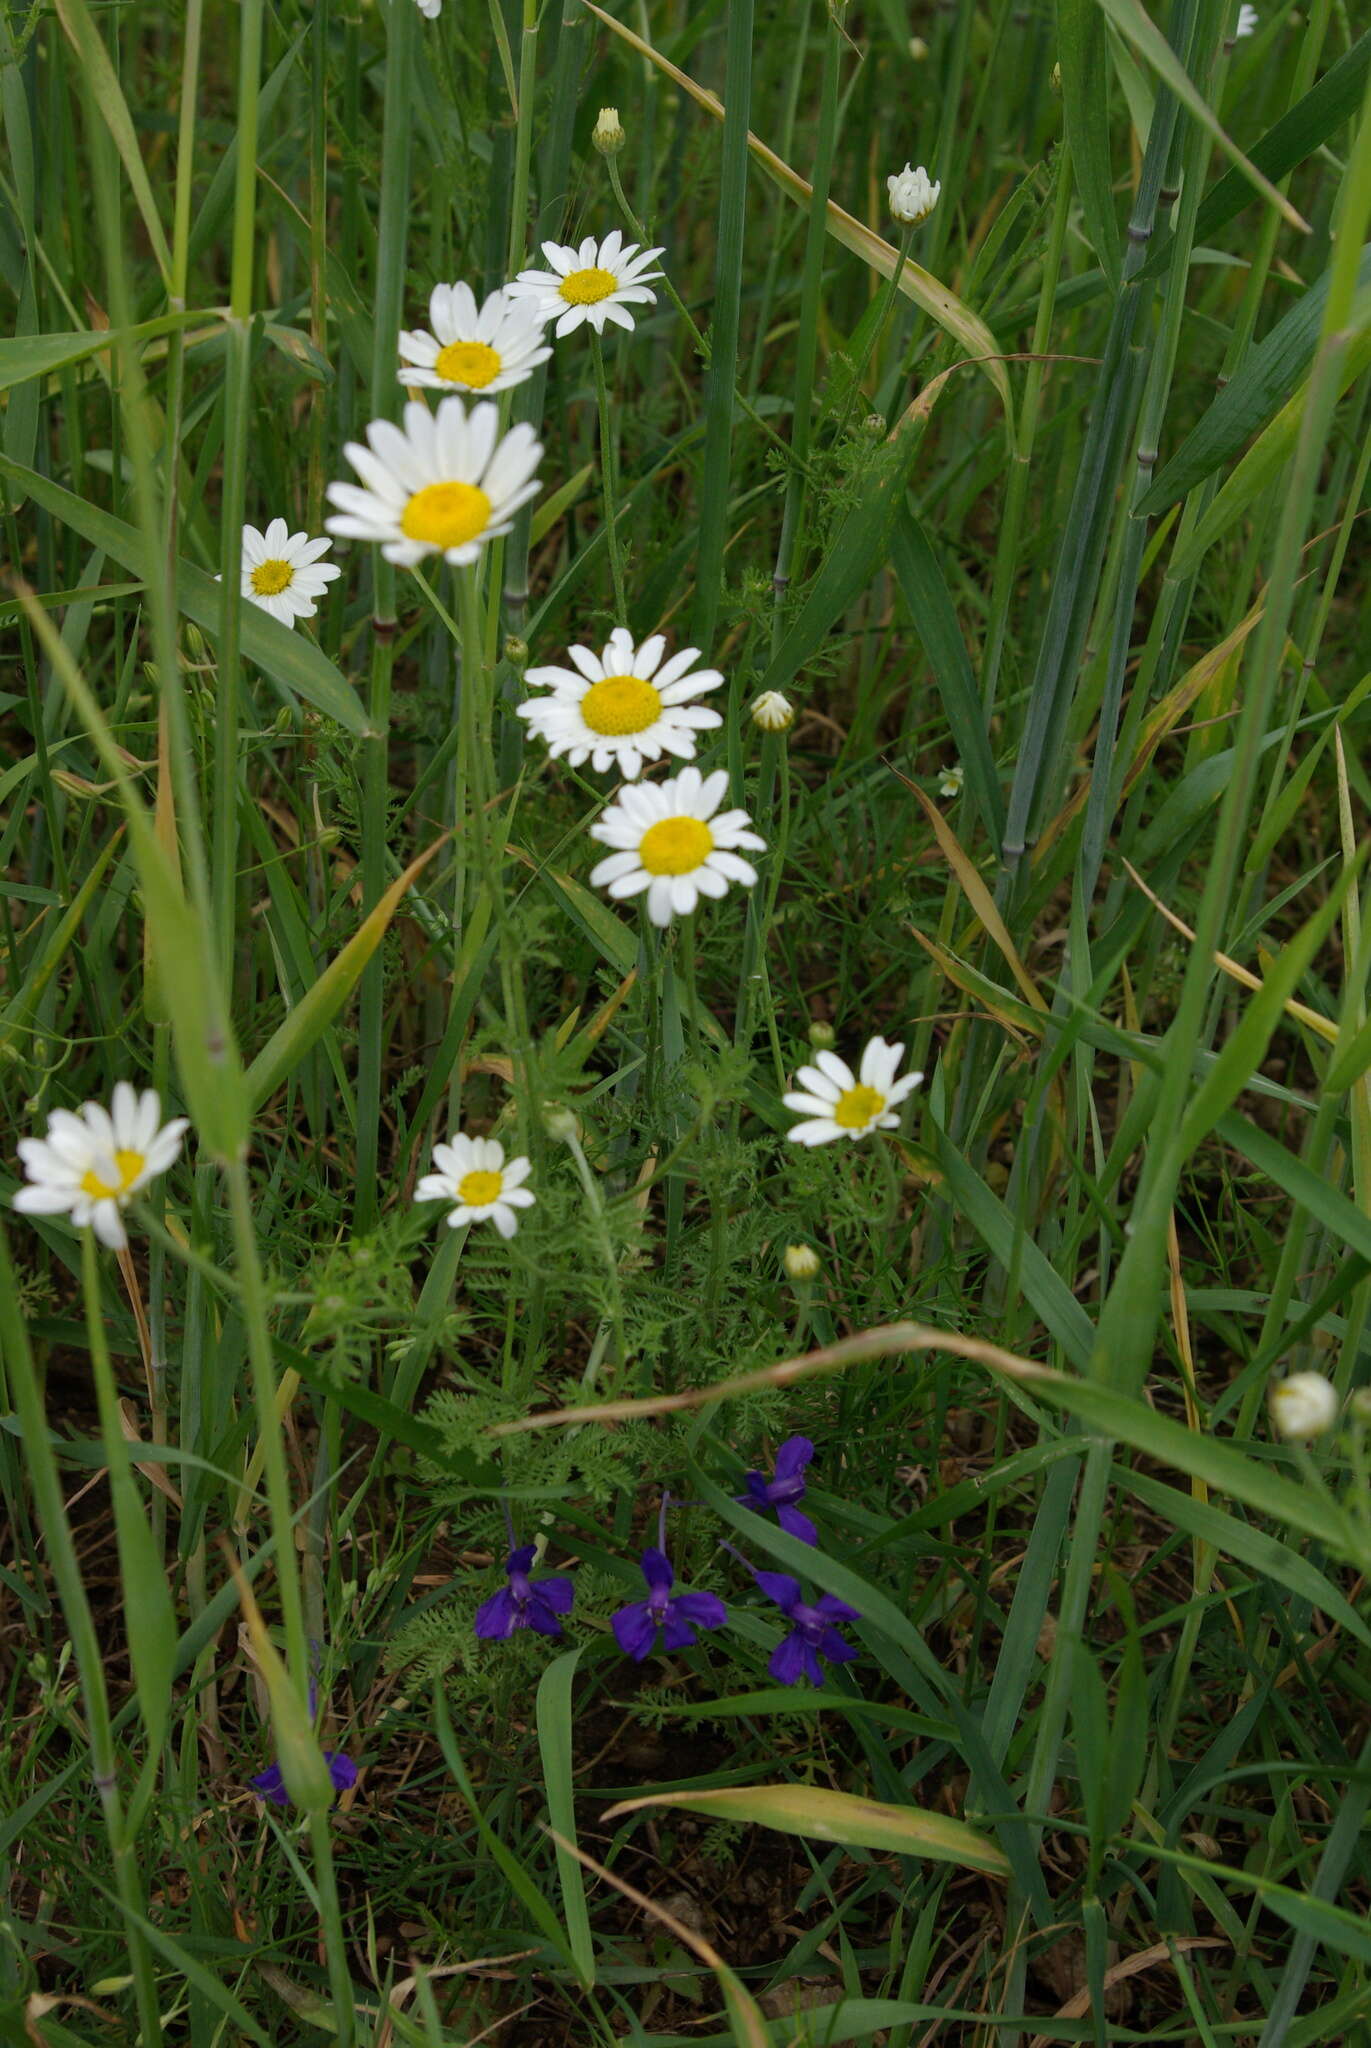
[608, 482]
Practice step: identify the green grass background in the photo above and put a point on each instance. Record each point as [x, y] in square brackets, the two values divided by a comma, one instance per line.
[1077, 508]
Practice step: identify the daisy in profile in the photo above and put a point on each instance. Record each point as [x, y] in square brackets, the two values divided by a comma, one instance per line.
[597, 282]
[669, 842]
[446, 484]
[836, 1103]
[431, 9]
[92, 1162]
[474, 1173]
[489, 348]
[624, 707]
[282, 571]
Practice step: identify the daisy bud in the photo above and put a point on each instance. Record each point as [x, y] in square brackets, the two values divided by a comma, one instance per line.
[195, 642]
[822, 1036]
[913, 195]
[801, 1262]
[608, 135]
[918, 49]
[560, 1123]
[1248, 18]
[773, 712]
[874, 426]
[516, 652]
[1302, 1406]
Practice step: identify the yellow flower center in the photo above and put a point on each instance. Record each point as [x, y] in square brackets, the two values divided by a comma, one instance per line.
[620, 704]
[270, 578]
[446, 515]
[857, 1107]
[130, 1165]
[588, 287]
[472, 363]
[477, 1188]
[675, 846]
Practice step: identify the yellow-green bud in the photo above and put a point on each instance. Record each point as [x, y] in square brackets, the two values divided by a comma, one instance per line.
[822, 1036]
[608, 135]
[801, 1262]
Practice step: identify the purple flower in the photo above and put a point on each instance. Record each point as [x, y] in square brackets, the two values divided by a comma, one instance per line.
[521, 1604]
[635, 1626]
[785, 1489]
[269, 1784]
[812, 1634]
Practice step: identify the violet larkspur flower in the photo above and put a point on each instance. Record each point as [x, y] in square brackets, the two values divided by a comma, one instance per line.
[269, 1784]
[521, 1604]
[635, 1626]
[782, 1491]
[812, 1632]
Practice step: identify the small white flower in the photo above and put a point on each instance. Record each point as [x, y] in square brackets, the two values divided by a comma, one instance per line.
[597, 282]
[431, 8]
[625, 707]
[951, 780]
[913, 195]
[773, 712]
[488, 348]
[92, 1162]
[1303, 1405]
[474, 1173]
[447, 484]
[608, 133]
[836, 1103]
[669, 842]
[282, 571]
[1248, 19]
[801, 1262]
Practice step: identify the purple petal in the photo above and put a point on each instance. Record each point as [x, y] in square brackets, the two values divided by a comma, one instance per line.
[758, 1493]
[499, 1616]
[814, 1670]
[706, 1610]
[657, 1570]
[796, 1524]
[835, 1649]
[835, 1609]
[341, 1769]
[780, 1587]
[269, 1784]
[788, 1659]
[521, 1560]
[543, 1620]
[555, 1592]
[635, 1630]
[677, 1633]
[794, 1454]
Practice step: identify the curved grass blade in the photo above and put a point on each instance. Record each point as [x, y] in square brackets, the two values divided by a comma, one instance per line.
[296, 666]
[841, 1817]
[918, 284]
[934, 619]
[553, 1716]
[107, 93]
[23, 356]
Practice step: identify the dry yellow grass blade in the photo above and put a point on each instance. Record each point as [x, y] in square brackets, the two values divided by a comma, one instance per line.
[977, 895]
[1299, 1011]
[941, 304]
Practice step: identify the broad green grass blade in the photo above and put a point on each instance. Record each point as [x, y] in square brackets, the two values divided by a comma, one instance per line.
[108, 96]
[825, 1816]
[1265, 379]
[1136, 26]
[1083, 55]
[553, 1715]
[295, 664]
[24, 356]
[934, 619]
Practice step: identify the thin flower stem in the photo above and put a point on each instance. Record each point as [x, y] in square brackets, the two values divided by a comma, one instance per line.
[608, 482]
[599, 1224]
[335, 1941]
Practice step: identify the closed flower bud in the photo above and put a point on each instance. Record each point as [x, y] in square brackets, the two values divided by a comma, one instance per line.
[913, 195]
[560, 1123]
[1303, 1406]
[773, 712]
[195, 642]
[608, 135]
[801, 1262]
[1055, 80]
[516, 652]
[918, 49]
[822, 1036]
[875, 426]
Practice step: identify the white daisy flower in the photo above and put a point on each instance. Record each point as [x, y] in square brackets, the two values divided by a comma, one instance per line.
[626, 706]
[836, 1103]
[597, 282]
[92, 1162]
[282, 571]
[913, 195]
[489, 348]
[669, 842]
[474, 1173]
[431, 9]
[447, 484]
[1248, 19]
